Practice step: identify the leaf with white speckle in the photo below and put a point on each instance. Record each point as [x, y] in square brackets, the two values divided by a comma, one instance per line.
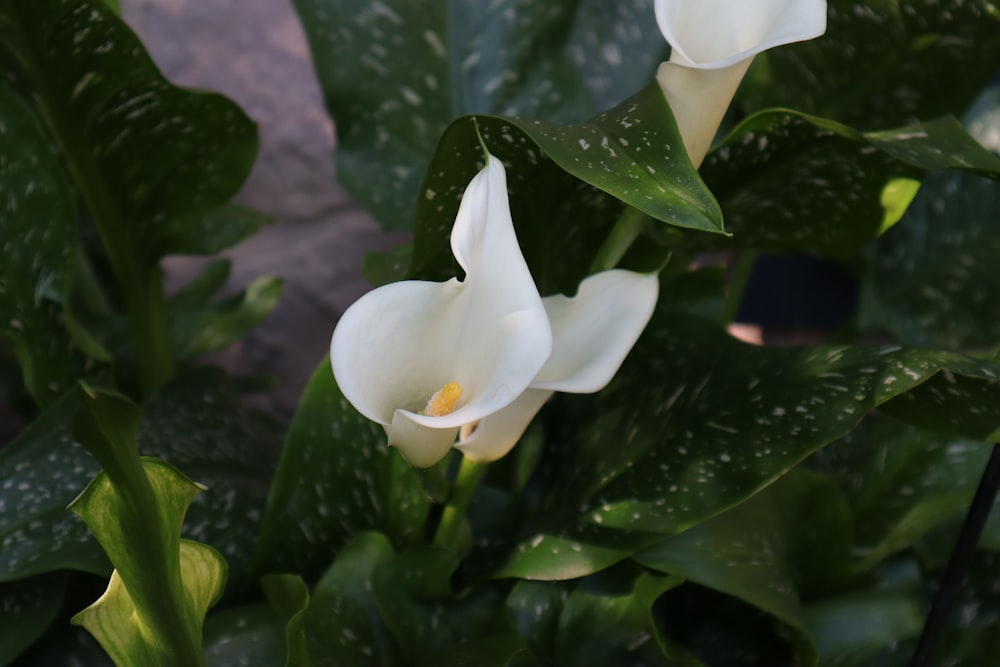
[151, 160]
[27, 608]
[791, 182]
[43, 470]
[38, 241]
[394, 74]
[615, 47]
[343, 623]
[568, 186]
[931, 281]
[337, 478]
[196, 423]
[882, 64]
[67, 646]
[244, 636]
[700, 422]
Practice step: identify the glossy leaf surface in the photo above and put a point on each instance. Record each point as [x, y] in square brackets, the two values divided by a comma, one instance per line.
[790, 182]
[337, 478]
[702, 421]
[883, 64]
[38, 237]
[150, 160]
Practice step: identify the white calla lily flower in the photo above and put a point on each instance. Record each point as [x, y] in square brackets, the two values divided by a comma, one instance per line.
[469, 363]
[592, 333]
[712, 45]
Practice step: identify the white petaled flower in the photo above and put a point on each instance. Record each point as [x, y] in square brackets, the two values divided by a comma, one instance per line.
[712, 44]
[469, 363]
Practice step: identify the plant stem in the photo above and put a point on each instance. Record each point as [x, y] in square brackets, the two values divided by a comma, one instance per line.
[107, 426]
[738, 284]
[150, 335]
[94, 298]
[449, 531]
[623, 234]
[960, 560]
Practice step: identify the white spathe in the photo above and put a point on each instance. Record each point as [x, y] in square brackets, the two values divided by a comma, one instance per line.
[491, 334]
[591, 335]
[712, 45]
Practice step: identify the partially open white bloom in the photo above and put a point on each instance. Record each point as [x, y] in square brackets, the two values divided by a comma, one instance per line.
[480, 356]
[592, 333]
[713, 43]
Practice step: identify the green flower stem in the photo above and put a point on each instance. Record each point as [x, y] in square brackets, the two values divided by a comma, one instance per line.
[738, 284]
[153, 589]
[449, 531]
[150, 336]
[94, 298]
[111, 439]
[625, 232]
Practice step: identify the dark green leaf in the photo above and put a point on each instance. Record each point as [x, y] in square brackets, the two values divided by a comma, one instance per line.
[619, 603]
[534, 608]
[901, 482]
[741, 553]
[851, 629]
[566, 184]
[395, 74]
[27, 608]
[38, 238]
[67, 646]
[195, 423]
[337, 478]
[200, 289]
[696, 421]
[432, 623]
[973, 637]
[616, 47]
[557, 619]
[795, 536]
[932, 282]
[218, 229]
[697, 442]
[289, 596]
[245, 635]
[882, 64]
[572, 551]
[44, 470]
[150, 160]
[215, 326]
[787, 181]
[343, 624]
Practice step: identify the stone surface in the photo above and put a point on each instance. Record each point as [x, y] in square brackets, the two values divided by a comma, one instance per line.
[254, 52]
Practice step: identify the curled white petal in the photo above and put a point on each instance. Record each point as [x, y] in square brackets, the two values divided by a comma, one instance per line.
[713, 43]
[593, 331]
[421, 445]
[494, 435]
[712, 34]
[399, 344]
